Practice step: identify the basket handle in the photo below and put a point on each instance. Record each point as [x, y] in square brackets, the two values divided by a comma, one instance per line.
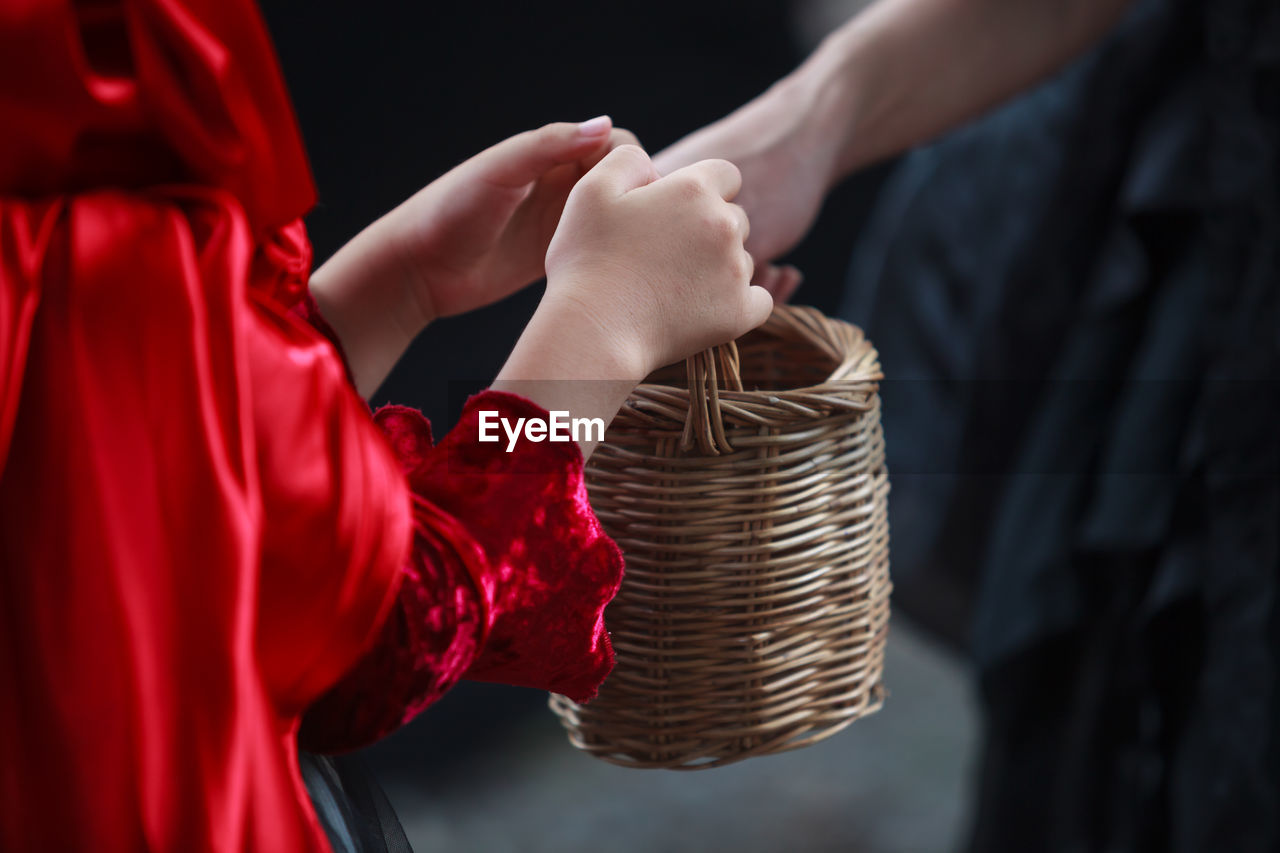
[703, 423]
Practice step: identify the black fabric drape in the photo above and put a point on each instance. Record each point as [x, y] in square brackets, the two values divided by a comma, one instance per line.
[1077, 301]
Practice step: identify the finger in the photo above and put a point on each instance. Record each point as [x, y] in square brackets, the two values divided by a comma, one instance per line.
[617, 137]
[623, 169]
[789, 281]
[779, 281]
[767, 277]
[721, 175]
[622, 136]
[525, 157]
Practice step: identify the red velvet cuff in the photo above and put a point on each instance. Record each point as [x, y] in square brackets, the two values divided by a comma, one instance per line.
[546, 569]
[508, 580]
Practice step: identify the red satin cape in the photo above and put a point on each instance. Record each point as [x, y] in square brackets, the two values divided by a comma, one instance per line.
[204, 538]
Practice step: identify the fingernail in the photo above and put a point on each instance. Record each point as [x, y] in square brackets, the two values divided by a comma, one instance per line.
[595, 126]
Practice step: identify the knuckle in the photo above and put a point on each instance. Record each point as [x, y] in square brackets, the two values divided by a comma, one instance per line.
[589, 185]
[688, 186]
[588, 192]
[708, 229]
[722, 226]
[729, 167]
[558, 132]
[625, 160]
[629, 153]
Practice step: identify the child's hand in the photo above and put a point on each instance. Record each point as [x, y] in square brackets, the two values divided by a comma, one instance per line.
[643, 271]
[787, 157]
[469, 238]
[480, 232]
[657, 263]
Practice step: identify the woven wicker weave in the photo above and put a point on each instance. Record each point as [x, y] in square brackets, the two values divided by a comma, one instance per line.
[753, 614]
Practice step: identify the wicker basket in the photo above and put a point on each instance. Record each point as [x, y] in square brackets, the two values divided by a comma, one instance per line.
[753, 615]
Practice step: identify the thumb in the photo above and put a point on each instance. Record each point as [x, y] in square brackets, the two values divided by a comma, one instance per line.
[624, 169]
[758, 307]
[527, 156]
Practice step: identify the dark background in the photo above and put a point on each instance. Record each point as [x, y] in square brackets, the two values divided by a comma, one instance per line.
[391, 95]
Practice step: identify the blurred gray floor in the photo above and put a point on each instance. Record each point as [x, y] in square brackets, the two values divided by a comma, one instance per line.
[896, 782]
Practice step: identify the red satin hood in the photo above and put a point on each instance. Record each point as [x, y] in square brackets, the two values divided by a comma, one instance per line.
[142, 93]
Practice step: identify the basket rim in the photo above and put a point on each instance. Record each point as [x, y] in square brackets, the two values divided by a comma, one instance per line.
[856, 372]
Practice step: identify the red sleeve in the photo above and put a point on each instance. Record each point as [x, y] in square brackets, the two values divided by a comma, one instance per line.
[507, 582]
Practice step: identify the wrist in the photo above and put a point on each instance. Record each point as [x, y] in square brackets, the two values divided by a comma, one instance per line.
[415, 281]
[568, 360]
[365, 294]
[577, 341]
[830, 88]
[370, 278]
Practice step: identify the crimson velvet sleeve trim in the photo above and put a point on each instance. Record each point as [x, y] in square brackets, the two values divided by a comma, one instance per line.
[508, 579]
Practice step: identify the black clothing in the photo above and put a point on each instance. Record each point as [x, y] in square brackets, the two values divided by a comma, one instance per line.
[1077, 301]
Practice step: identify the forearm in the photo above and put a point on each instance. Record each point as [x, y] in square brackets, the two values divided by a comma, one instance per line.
[905, 71]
